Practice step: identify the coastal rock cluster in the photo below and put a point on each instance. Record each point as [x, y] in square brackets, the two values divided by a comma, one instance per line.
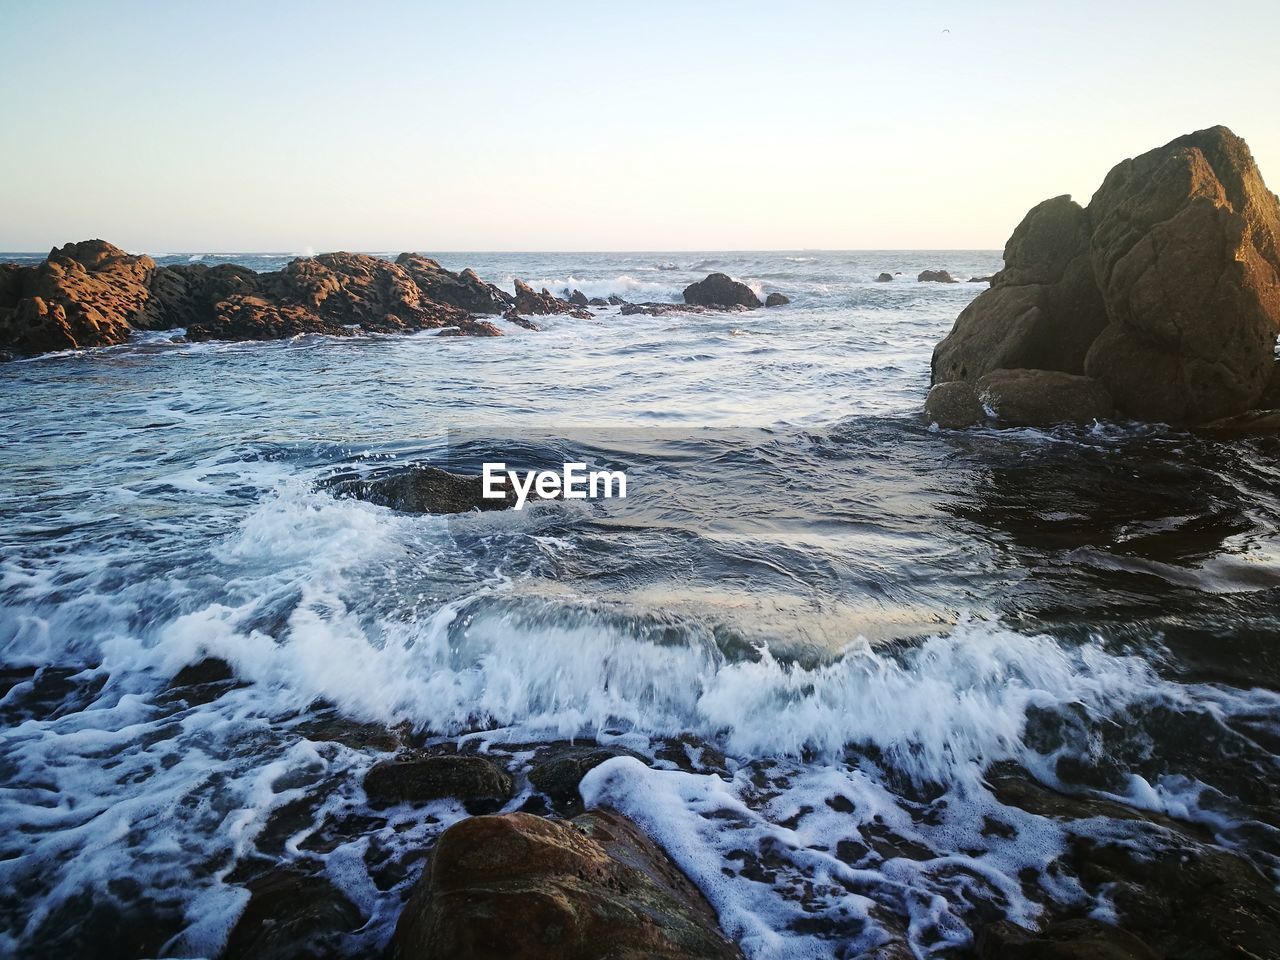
[1164, 292]
[93, 294]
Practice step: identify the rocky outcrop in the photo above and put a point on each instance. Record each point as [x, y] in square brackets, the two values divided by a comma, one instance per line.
[1020, 398]
[776, 300]
[517, 885]
[84, 295]
[579, 299]
[885, 278]
[527, 301]
[290, 915]
[936, 276]
[1166, 288]
[464, 290]
[720, 290]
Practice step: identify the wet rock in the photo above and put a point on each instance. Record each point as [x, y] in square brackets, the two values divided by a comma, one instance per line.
[539, 304]
[1270, 399]
[954, 405]
[480, 328]
[720, 290]
[1065, 940]
[202, 682]
[776, 300]
[1043, 310]
[598, 302]
[1040, 398]
[185, 295]
[464, 290]
[83, 295]
[420, 778]
[936, 276]
[579, 299]
[558, 772]
[980, 279]
[663, 309]
[512, 317]
[1256, 423]
[291, 916]
[422, 489]
[885, 278]
[517, 885]
[1186, 251]
[615, 300]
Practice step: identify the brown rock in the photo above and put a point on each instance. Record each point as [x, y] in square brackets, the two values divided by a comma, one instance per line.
[517, 885]
[1043, 310]
[84, 295]
[1041, 398]
[292, 915]
[539, 304]
[720, 290]
[1185, 251]
[954, 405]
[464, 290]
[1065, 940]
[417, 779]
[936, 276]
[776, 300]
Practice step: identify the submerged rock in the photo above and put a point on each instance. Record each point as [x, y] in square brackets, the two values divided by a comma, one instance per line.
[559, 771]
[936, 276]
[776, 300]
[720, 290]
[1019, 398]
[418, 779]
[517, 885]
[84, 295]
[1065, 940]
[1166, 288]
[954, 405]
[292, 915]
[422, 489]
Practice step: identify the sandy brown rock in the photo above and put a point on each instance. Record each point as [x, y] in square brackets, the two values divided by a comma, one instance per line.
[1043, 310]
[83, 295]
[517, 885]
[720, 290]
[1185, 252]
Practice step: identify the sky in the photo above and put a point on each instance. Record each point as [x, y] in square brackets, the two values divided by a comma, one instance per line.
[479, 126]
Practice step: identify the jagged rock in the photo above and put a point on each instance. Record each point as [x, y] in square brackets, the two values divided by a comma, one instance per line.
[597, 302]
[83, 295]
[885, 278]
[954, 405]
[720, 290]
[292, 915]
[1043, 310]
[1065, 940]
[422, 489]
[464, 290]
[185, 295]
[936, 276]
[512, 317]
[579, 299]
[528, 301]
[481, 328]
[615, 300]
[517, 885]
[776, 300]
[418, 779]
[1186, 251]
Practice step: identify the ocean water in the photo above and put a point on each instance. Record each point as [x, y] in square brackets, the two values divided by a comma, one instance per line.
[850, 619]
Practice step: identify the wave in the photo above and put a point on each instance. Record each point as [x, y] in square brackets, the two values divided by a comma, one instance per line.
[626, 286]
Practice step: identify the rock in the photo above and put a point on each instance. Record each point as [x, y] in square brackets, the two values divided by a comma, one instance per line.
[1065, 940]
[954, 405]
[1270, 399]
[517, 885]
[616, 301]
[464, 290]
[1043, 310]
[1186, 251]
[292, 915]
[1256, 423]
[202, 682]
[418, 779]
[1041, 398]
[422, 489]
[84, 295]
[720, 290]
[885, 278]
[936, 276]
[512, 317]
[597, 302]
[662, 309]
[482, 328]
[558, 773]
[776, 300]
[539, 304]
[980, 279]
[579, 299]
[185, 295]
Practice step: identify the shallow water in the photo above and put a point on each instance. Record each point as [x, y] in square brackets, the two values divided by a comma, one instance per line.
[863, 613]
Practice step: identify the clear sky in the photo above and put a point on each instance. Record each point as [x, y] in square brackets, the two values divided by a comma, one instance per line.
[229, 126]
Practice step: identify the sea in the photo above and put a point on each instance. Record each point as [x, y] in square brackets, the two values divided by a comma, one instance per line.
[818, 628]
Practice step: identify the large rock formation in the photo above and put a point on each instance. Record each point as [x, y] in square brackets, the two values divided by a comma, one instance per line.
[84, 295]
[720, 290]
[517, 885]
[1166, 288]
[464, 290]
[1019, 398]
